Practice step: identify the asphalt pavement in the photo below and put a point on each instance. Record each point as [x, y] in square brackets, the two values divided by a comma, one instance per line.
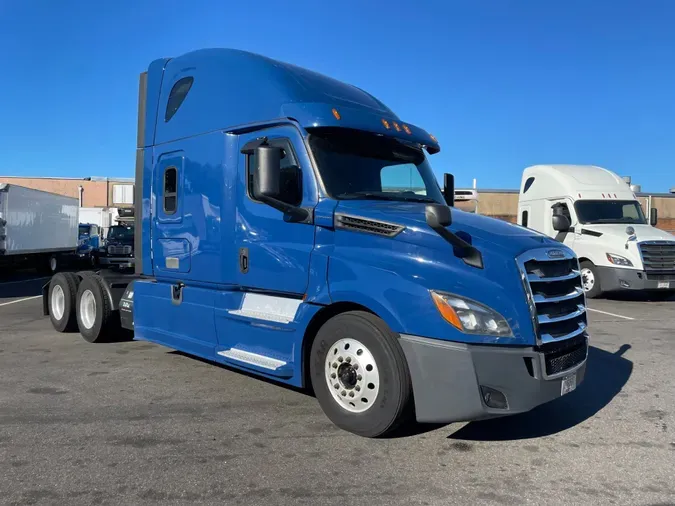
[136, 423]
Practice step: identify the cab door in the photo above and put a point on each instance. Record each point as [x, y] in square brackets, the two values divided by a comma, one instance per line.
[274, 252]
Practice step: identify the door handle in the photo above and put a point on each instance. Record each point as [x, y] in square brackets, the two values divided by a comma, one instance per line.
[243, 260]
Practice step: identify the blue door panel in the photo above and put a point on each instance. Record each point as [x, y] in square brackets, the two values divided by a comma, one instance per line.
[188, 326]
[278, 251]
[192, 236]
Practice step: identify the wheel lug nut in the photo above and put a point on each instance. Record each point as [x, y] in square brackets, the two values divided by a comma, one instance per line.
[344, 393]
[340, 359]
[348, 359]
[337, 387]
[359, 377]
[355, 366]
[357, 388]
[351, 394]
[334, 365]
[333, 375]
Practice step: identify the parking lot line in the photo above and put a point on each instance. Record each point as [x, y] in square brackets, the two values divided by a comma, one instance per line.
[19, 300]
[611, 314]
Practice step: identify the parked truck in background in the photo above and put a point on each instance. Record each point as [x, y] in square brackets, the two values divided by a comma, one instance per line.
[88, 242]
[38, 229]
[290, 225]
[594, 212]
[117, 249]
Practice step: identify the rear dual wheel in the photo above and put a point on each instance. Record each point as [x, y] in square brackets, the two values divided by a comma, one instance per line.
[360, 375]
[84, 304]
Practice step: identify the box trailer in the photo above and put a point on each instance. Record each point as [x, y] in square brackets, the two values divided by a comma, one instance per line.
[37, 228]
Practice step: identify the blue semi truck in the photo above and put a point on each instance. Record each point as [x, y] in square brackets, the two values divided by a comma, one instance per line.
[290, 225]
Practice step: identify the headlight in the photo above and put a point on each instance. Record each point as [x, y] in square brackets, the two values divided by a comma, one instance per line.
[469, 316]
[618, 260]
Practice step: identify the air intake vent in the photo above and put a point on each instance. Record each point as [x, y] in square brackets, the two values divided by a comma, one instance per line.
[369, 226]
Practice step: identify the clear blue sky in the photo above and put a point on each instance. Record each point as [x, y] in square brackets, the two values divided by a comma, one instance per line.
[502, 84]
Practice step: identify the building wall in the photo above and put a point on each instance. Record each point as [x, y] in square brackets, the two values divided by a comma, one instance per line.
[96, 192]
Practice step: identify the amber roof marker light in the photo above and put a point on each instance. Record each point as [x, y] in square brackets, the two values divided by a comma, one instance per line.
[336, 114]
[385, 123]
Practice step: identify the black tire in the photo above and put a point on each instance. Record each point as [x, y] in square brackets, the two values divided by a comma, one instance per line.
[106, 321]
[68, 283]
[596, 290]
[393, 405]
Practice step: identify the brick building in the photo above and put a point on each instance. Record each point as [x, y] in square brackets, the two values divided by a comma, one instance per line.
[92, 191]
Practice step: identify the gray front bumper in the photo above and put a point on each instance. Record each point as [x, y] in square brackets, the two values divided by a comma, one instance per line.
[447, 378]
[613, 279]
[121, 261]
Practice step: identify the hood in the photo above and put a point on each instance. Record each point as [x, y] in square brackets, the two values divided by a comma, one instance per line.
[507, 238]
[618, 230]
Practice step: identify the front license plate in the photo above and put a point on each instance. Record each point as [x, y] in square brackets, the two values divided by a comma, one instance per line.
[568, 384]
[664, 284]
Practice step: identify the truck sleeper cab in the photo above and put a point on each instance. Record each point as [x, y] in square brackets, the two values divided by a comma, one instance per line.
[290, 225]
[603, 222]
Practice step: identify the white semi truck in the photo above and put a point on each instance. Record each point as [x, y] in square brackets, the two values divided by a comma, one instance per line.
[37, 228]
[595, 212]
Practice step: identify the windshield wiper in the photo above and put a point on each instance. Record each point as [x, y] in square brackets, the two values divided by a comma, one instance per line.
[386, 196]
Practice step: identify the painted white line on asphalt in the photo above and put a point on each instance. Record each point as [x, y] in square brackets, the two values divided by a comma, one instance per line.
[23, 281]
[611, 314]
[20, 300]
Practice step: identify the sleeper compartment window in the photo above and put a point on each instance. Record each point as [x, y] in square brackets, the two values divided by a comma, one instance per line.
[170, 190]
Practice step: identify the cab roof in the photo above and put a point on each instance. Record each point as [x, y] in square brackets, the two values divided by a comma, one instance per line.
[229, 89]
[576, 181]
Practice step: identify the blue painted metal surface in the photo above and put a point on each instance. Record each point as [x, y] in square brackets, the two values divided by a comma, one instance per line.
[237, 97]
[233, 88]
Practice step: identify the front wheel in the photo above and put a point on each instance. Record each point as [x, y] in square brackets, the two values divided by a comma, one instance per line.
[590, 279]
[360, 375]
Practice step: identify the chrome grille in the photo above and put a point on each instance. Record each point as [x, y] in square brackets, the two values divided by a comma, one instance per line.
[119, 250]
[658, 255]
[555, 294]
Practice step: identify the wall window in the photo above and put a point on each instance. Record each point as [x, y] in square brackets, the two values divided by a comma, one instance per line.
[123, 194]
[170, 190]
[402, 178]
[290, 181]
[177, 96]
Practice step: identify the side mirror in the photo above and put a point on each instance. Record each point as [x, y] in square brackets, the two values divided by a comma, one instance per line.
[266, 178]
[561, 223]
[653, 217]
[449, 189]
[267, 182]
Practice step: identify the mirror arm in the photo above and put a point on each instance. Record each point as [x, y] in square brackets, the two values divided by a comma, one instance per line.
[469, 254]
[295, 213]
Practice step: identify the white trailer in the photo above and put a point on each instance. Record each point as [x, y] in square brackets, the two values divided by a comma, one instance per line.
[596, 213]
[37, 228]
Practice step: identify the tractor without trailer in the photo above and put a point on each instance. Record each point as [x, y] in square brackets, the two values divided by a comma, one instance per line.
[290, 225]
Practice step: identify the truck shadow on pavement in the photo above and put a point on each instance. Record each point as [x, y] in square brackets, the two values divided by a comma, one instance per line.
[639, 296]
[606, 375]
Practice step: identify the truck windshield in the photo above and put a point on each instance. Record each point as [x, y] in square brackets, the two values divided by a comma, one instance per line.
[84, 230]
[609, 211]
[360, 165]
[121, 232]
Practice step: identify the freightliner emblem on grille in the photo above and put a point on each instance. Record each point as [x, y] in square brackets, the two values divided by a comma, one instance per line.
[555, 253]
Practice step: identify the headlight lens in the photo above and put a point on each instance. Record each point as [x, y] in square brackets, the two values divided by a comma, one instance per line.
[469, 316]
[618, 260]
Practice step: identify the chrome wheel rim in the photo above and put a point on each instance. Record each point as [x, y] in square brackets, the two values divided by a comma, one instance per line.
[588, 279]
[58, 302]
[88, 309]
[352, 375]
